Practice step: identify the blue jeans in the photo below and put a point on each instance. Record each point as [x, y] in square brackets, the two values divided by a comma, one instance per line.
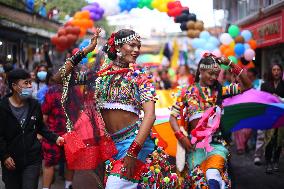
[25, 178]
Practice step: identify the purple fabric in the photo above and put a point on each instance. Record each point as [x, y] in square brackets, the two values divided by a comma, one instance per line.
[252, 96]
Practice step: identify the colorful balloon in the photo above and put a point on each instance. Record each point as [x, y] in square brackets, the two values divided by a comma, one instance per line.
[252, 43]
[205, 35]
[249, 54]
[239, 49]
[234, 30]
[226, 39]
[246, 35]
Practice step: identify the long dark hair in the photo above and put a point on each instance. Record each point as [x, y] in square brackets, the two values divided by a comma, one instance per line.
[109, 47]
[269, 74]
[207, 59]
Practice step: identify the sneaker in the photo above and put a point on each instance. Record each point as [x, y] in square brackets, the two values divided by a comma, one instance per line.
[276, 167]
[70, 187]
[257, 161]
[269, 169]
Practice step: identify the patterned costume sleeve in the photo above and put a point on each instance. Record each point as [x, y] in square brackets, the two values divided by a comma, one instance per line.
[232, 89]
[176, 108]
[146, 90]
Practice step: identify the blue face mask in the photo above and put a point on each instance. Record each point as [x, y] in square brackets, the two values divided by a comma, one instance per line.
[26, 93]
[2, 69]
[41, 75]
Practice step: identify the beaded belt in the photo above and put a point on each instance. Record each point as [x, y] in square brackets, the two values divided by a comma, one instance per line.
[126, 132]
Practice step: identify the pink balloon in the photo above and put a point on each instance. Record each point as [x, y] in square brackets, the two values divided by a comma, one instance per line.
[217, 53]
[203, 52]
[249, 54]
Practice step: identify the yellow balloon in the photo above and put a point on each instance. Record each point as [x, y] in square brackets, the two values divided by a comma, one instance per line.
[155, 3]
[232, 44]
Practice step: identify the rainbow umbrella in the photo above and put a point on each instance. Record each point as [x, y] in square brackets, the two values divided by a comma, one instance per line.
[253, 109]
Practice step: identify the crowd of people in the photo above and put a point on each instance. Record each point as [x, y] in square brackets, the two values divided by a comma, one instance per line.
[34, 119]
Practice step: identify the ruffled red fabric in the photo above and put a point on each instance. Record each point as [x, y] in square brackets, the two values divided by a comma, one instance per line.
[95, 149]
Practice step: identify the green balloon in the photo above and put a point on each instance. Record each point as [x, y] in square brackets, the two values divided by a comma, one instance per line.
[234, 30]
[89, 55]
[224, 67]
[233, 59]
[148, 4]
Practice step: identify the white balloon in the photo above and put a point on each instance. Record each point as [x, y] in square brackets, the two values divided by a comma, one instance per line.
[110, 7]
[226, 38]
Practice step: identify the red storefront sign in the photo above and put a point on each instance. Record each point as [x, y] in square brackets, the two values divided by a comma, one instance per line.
[268, 31]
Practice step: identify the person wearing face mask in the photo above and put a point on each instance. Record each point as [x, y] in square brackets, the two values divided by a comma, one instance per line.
[21, 120]
[41, 80]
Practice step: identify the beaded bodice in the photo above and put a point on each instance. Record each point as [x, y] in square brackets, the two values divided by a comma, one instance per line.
[126, 91]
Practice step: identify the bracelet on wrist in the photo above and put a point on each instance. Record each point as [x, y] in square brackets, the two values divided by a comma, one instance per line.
[179, 135]
[130, 155]
[236, 69]
[77, 57]
[134, 149]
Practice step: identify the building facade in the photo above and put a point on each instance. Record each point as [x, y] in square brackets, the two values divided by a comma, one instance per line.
[22, 35]
[265, 19]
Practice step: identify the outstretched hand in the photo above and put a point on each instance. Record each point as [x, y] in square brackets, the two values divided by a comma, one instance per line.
[94, 41]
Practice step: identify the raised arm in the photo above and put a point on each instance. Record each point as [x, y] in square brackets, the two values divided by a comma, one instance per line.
[239, 72]
[76, 58]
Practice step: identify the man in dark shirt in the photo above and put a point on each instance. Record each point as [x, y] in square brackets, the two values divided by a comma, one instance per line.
[21, 120]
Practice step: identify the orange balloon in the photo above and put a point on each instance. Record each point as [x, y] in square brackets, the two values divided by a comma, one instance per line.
[85, 14]
[82, 32]
[229, 52]
[78, 15]
[75, 22]
[252, 43]
[223, 48]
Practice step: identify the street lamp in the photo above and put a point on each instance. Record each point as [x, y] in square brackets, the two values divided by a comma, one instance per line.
[9, 56]
[1, 43]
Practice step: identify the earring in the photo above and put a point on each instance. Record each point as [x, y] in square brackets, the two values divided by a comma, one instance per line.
[118, 53]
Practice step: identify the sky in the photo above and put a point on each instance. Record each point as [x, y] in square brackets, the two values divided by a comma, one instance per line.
[144, 20]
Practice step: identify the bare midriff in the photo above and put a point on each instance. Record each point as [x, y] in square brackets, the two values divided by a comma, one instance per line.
[116, 120]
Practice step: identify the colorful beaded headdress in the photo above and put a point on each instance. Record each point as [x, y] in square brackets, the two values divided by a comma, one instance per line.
[215, 66]
[127, 39]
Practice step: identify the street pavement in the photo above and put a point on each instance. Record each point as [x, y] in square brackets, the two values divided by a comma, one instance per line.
[245, 175]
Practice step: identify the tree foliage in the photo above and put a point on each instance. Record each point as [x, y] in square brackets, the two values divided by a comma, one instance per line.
[66, 7]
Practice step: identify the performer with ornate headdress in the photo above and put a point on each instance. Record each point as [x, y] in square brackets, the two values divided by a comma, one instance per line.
[121, 93]
[201, 106]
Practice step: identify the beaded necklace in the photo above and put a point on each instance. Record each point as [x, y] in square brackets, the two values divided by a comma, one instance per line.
[107, 71]
[207, 94]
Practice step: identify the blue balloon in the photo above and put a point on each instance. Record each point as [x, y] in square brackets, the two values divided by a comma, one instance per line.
[84, 43]
[205, 35]
[209, 46]
[247, 46]
[194, 43]
[84, 61]
[200, 43]
[214, 41]
[239, 49]
[246, 35]
[198, 53]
